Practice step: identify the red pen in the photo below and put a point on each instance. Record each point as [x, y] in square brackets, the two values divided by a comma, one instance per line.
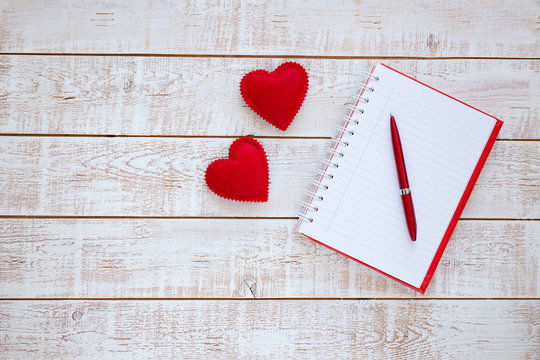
[406, 196]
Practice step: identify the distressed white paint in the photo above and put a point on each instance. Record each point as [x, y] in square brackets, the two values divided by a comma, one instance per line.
[79, 176]
[505, 28]
[240, 258]
[228, 258]
[200, 96]
[273, 329]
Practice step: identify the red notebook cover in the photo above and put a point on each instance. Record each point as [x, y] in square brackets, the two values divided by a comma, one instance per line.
[461, 204]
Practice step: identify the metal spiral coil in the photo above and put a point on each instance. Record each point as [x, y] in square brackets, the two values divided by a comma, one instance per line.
[335, 152]
[337, 141]
[314, 194]
[327, 162]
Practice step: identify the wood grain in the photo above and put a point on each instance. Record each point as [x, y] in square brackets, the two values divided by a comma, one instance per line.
[171, 69]
[228, 258]
[72, 176]
[320, 28]
[199, 96]
[503, 329]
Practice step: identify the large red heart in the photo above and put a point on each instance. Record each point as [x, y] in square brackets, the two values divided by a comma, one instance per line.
[244, 175]
[276, 96]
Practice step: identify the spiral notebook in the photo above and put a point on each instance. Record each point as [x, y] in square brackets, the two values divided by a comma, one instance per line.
[355, 206]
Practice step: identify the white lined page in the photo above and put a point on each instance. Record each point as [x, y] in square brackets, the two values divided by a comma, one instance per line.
[362, 213]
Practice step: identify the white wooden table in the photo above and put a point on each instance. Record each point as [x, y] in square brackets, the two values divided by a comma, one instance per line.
[111, 246]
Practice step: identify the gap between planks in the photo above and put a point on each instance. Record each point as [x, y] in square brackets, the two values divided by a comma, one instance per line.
[277, 56]
[266, 299]
[195, 136]
[211, 217]
[174, 136]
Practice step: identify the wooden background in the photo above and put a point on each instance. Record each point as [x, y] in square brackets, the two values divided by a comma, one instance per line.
[111, 246]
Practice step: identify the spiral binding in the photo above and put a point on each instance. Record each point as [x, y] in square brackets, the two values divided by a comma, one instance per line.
[338, 141]
[335, 152]
[310, 207]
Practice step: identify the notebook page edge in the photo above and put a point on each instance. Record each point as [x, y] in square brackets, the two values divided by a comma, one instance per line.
[461, 205]
[442, 93]
[470, 185]
[365, 264]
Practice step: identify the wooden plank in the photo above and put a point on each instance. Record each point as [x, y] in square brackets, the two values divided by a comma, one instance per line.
[199, 96]
[445, 329]
[506, 28]
[79, 176]
[230, 258]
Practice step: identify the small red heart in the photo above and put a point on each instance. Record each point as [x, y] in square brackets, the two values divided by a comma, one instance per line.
[276, 96]
[244, 175]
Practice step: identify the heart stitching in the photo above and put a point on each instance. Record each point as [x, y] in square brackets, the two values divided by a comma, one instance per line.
[244, 175]
[276, 96]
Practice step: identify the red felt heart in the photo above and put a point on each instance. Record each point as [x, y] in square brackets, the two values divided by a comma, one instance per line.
[244, 175]
[276, 96]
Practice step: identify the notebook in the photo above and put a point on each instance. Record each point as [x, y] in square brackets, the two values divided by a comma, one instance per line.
[355, 206]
